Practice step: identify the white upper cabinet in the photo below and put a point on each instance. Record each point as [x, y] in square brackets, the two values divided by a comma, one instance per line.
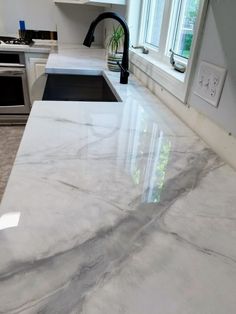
[94, 2]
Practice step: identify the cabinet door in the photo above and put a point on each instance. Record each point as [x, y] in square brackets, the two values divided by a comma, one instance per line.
[37, 68]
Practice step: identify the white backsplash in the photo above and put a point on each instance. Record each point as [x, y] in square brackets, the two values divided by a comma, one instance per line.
[36, 14]
[73, 21]
[70, 20]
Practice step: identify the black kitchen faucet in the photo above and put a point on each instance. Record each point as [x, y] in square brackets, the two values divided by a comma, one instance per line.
[124, 66]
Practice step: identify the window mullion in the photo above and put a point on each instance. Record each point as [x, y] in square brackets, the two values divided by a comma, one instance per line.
[180, 22]
[176, 18]
[144, 9]
[165, 28]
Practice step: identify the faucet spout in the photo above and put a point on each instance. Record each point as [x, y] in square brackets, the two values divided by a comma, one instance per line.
[124, 66]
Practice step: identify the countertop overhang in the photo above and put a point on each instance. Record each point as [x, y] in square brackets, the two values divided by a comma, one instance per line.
[116, 208]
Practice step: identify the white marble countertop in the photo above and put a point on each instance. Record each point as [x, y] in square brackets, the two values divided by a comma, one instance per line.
[77, 60]
[117, 208]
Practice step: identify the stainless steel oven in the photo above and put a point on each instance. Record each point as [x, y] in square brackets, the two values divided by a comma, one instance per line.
[14, 97]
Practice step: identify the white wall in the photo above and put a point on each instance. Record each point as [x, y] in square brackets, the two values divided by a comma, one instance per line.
[218, 47]
[133, 15]
[71, 21]
[1, 18]
[38, 14]
[108, 24]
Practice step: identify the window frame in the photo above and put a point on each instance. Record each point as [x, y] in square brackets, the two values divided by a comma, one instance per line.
[156, 65]
[168, 31]
[157, 52]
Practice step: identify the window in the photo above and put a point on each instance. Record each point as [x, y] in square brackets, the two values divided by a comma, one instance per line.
[169, 25]
[161, 25]
[185, 16]
[155, 10]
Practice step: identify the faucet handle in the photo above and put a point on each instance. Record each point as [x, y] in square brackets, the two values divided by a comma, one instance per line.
[122, 68]
[124, 74]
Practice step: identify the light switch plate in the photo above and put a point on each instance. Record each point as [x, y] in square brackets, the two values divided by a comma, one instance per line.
[210, 82]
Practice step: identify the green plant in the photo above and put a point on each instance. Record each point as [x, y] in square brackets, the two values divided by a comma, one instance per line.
[116, 39]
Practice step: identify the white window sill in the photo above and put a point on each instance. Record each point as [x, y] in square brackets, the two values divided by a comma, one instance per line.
[163, 74]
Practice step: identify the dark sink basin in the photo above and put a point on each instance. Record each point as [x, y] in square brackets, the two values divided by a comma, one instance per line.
[64, 87]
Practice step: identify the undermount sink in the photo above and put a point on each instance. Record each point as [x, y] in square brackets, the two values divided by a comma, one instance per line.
[66, 87]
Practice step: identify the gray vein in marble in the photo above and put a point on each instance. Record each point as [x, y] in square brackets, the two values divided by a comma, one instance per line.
[109, 247]
[194, 245]
[62, 120]
[188, 179]
[114, 205]
[88, 192]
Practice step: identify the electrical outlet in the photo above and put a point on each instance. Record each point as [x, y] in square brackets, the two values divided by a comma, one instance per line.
[210, 82]
[213, 92]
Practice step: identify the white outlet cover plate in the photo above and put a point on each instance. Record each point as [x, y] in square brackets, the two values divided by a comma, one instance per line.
[210, 82]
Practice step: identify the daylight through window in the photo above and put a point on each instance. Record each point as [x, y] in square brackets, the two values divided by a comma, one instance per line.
[170, 25]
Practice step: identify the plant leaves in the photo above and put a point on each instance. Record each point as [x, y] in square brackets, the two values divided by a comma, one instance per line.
[116, 38]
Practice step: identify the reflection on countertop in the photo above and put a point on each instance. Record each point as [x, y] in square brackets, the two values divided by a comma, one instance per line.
[123, 209]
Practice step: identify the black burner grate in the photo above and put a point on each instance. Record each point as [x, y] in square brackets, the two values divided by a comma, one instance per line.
[13, 40]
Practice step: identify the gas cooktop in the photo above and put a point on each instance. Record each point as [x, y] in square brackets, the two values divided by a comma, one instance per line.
[5, 40]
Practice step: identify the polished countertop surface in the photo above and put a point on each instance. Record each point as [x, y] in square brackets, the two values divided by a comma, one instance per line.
[117, 208]
[75, 59]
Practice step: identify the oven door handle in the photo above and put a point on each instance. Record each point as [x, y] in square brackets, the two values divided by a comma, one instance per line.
[12, 65]
[15, 72]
